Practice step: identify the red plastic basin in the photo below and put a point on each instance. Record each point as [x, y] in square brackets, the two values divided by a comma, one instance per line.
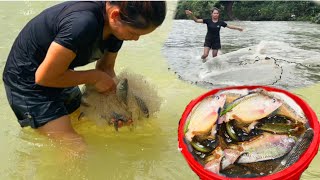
[292, 173]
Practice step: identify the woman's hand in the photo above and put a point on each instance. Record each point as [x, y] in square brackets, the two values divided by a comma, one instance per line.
[105, 83]
[188, 12]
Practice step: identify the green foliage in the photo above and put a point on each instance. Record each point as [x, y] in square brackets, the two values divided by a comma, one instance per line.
[254, 10]
[316, 19]
[275, 10]
[201, 9]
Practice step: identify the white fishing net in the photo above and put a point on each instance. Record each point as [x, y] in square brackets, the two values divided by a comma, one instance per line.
[99, 107]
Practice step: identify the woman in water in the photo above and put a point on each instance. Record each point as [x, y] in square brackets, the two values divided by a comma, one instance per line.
[212, 40]
[39, 77]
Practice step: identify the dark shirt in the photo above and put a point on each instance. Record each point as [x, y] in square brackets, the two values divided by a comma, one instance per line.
[77, 26]
[213, 32]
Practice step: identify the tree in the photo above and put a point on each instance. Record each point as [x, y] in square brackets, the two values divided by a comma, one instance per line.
[252, 10]
[228, 5]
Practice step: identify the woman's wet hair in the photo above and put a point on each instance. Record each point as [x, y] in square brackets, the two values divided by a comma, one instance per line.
[141, 14]
[215, 9]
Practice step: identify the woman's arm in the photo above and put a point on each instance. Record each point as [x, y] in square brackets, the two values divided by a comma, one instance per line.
[54, 72]
[189, 13]
[234, 27]
[106, 63]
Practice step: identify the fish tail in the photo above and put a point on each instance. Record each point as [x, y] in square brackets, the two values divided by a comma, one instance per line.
[301, 146]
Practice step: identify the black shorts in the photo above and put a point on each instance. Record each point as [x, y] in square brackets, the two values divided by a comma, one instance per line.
[212, 44]
[36, 107]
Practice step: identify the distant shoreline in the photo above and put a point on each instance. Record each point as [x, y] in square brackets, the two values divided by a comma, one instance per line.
[253, 10]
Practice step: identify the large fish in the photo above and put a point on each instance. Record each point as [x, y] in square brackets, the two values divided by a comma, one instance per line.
[204, 116]
[122, 94]
[142, 106]
[290, 109]
[265, 147]
[301, 146]
[252, 107]
[122, 91]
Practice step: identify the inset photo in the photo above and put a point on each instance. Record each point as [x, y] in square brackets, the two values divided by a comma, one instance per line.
[224, 43]
[259, 61]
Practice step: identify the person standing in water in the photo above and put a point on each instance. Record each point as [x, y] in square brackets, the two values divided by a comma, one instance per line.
[39, 77]
[212, 39]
